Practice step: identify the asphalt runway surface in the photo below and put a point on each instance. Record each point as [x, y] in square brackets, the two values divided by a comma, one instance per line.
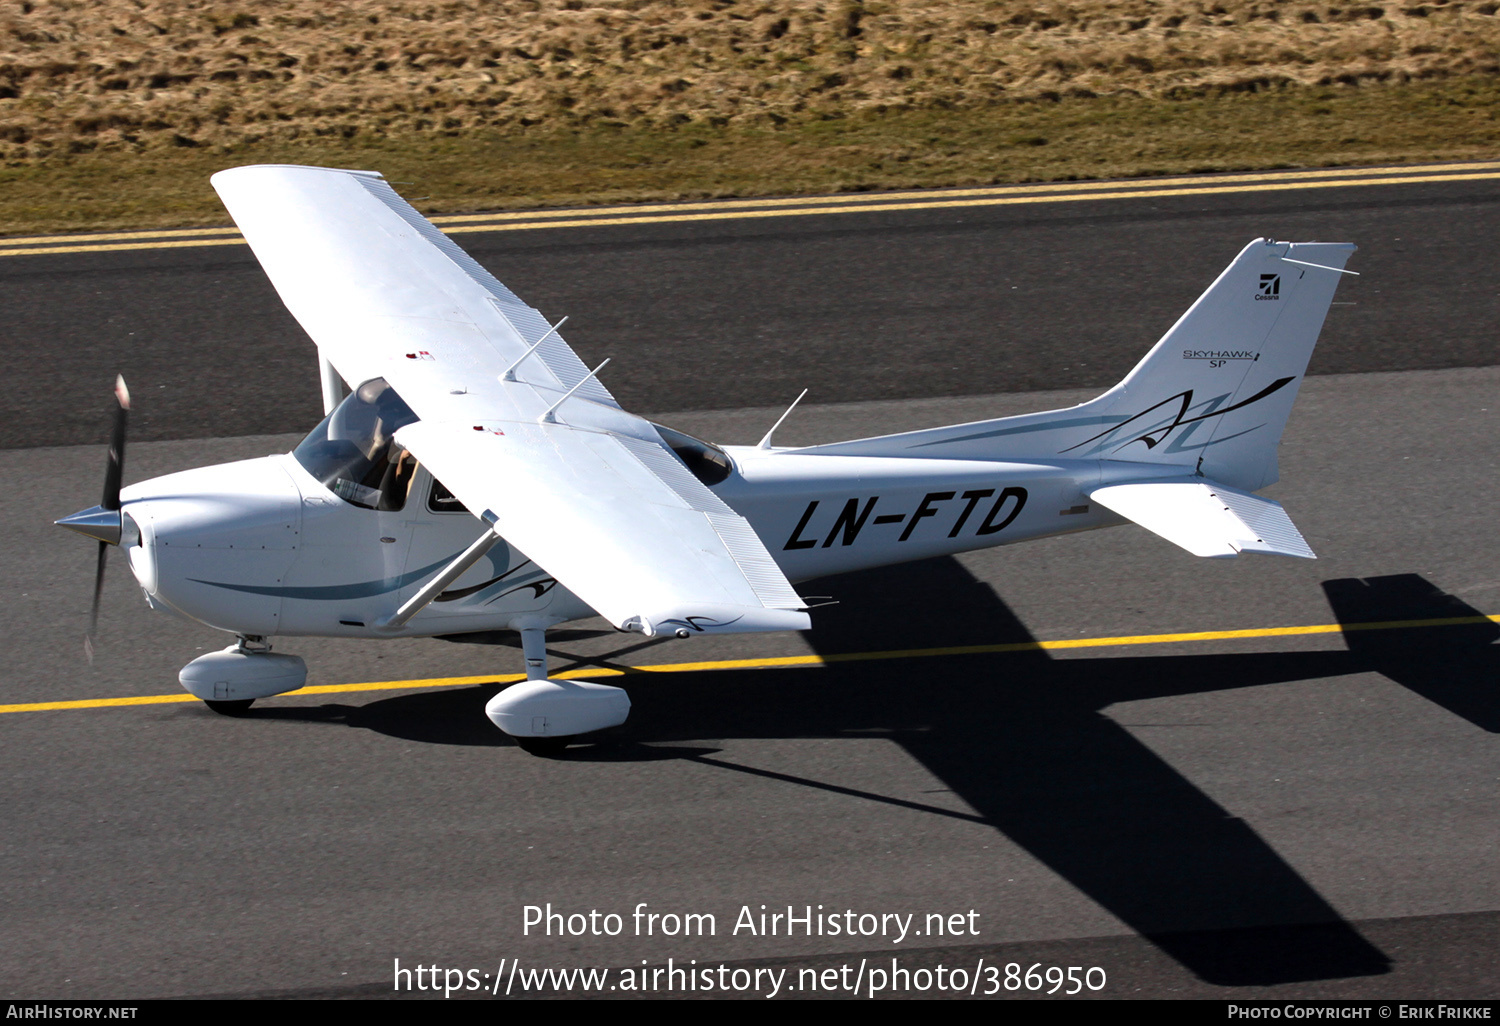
[734, 313]
[1271, 815]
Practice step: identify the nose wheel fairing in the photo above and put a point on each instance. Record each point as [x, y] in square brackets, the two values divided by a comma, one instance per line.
[242, 673]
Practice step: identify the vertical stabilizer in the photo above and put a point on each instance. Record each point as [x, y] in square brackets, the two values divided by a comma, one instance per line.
[1221, 383]
[1212, 396]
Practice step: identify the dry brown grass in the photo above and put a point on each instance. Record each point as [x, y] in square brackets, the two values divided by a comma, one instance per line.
[78, 76]
[1073, 137]
[114, 112]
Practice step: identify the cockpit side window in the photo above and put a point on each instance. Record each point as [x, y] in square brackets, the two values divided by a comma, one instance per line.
[707, 461]
[353, 453]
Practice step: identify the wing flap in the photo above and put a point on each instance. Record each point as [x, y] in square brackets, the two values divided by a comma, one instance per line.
[1207, 518]
[749, 552]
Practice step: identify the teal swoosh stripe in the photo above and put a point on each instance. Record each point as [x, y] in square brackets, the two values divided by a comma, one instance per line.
[364, 589]
[1051, 425]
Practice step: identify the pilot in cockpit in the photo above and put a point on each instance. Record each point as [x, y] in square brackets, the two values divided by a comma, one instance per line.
[353, 452]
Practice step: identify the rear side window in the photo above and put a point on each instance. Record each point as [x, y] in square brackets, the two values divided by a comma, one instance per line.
[441, 500]
[707, 461]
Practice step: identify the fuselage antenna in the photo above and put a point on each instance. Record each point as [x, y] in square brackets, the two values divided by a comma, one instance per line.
[765, 443]
[1321, 267]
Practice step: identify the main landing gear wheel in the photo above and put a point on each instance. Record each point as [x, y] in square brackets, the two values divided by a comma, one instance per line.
[544, 716]
[548, 747]
[227, 708]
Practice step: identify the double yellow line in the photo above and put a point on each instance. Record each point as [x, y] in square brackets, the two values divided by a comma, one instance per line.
[862, 203]
[778, 662]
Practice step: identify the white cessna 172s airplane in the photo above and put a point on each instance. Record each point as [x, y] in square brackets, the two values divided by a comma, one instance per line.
[480, 477]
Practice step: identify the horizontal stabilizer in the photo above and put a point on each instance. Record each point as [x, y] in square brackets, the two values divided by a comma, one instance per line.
[1207, 518]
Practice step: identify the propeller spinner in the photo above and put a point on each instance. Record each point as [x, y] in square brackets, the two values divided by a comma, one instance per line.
[105, 522]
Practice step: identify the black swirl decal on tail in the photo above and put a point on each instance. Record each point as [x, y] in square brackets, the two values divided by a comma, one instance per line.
[1184, 402]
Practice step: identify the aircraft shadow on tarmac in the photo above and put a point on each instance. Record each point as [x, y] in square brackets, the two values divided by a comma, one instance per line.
[1023, 740]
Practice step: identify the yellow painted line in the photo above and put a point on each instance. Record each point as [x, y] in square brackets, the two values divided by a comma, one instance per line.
[165, 233]
[718, 210]
[118, 247]
[97, 703]
[1071, 197]
[1421, 173]
[773, 662]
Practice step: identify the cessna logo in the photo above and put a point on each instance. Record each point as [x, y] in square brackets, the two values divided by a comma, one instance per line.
[1270, 287]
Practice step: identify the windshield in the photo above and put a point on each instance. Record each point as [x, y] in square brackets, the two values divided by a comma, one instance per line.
[353, 454]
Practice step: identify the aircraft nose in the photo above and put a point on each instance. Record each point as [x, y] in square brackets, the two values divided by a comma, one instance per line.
[215, 543]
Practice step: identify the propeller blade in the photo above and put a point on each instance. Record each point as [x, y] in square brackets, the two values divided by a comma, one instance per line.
[88, 639]
[114, 470]
[114, 473]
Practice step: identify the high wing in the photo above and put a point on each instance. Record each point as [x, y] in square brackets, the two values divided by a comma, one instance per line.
[590, 492]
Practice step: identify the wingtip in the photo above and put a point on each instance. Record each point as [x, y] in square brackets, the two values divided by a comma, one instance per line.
[122, 393]
[258, 169]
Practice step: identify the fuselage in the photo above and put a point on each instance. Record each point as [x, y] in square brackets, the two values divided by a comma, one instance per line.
[262, 547]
